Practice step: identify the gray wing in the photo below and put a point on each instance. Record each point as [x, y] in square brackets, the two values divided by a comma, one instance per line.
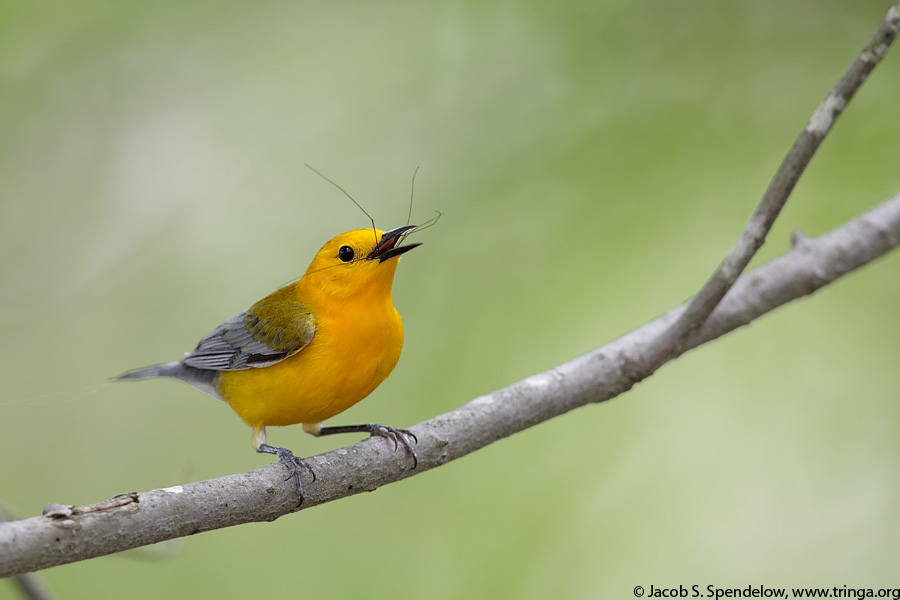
[270, 331]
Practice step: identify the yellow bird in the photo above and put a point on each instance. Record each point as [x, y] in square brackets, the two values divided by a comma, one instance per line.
[309, 350]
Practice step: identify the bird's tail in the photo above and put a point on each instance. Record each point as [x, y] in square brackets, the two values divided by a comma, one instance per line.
[202, 379]
[163, 370]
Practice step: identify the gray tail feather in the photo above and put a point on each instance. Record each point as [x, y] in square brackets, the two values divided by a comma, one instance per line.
[164, 370]
[202, 379]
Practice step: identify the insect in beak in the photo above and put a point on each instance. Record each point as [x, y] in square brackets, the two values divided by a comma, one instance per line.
[388, 248]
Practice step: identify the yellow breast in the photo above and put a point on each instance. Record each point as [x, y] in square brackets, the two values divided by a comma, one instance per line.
[355, 347]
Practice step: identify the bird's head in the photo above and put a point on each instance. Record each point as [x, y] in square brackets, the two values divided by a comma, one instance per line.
[361, 261]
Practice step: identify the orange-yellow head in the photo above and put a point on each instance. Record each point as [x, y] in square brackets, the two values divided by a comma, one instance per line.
[361, 262]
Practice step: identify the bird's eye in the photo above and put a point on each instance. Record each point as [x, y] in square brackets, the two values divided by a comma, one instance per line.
[345, 253]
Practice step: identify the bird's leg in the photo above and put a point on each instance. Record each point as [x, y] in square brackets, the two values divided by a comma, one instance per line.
[398, 436]
[285, 456]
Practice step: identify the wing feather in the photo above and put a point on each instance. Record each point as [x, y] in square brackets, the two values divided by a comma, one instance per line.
[270, 331]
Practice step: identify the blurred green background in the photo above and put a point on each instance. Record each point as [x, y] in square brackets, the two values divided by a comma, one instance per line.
[593, 161]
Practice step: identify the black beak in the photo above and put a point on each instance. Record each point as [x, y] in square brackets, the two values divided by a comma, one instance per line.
[387, 247]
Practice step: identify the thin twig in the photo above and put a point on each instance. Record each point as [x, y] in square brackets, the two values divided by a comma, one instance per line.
[67, 534]
[754, 234]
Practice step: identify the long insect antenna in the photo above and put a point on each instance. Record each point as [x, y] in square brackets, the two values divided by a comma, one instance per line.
[428, 223]
[412, 191]
[319, 173]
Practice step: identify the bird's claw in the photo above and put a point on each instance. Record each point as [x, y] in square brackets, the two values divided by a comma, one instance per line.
[398, 436]
[292, 463]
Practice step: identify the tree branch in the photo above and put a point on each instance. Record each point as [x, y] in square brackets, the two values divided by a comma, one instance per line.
[30, 585]
[754, 234]
[67, 534]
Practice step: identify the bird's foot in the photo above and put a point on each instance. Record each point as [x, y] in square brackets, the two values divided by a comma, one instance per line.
[293, 464]
[394, 434]
[398, 436]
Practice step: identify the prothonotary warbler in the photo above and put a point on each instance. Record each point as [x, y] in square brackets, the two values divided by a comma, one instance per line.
[309, 350]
